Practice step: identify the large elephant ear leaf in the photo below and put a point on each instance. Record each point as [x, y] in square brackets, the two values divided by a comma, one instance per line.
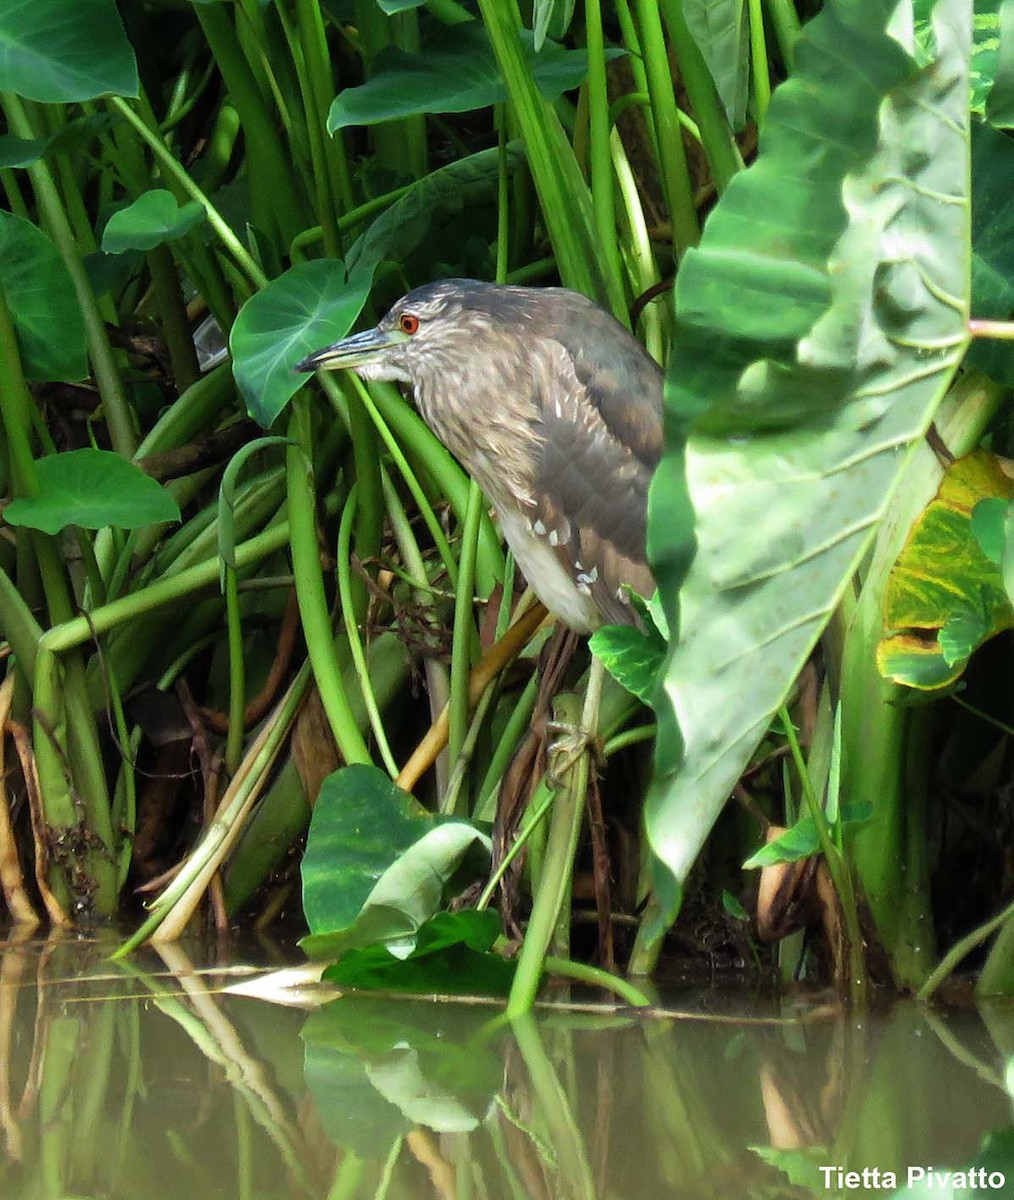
[819, 324]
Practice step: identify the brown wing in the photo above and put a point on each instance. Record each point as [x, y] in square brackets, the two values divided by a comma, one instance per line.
[623, 381]
[590, 491]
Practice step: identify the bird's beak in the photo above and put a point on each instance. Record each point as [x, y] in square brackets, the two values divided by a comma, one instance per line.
[358, 350]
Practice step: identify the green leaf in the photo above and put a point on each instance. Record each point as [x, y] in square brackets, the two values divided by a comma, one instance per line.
[91, 489]
[439, 196]
[152, 219]
[634, 659]
[42, 302]
[802, 839]
[452, 956]
[819, 324]
[310, 306]
[377, 1069]
[457, 72]
[985, 44]
[377, 864]
[945, 595]
[993, 529]
[720, 29]
[550, 19]
[801, 1167]
[992, 247]
[985, 52]
[988, 518]
[22, 152]
[1000, 102]
[63, 50]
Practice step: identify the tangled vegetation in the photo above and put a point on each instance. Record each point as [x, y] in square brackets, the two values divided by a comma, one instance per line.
[230, 599]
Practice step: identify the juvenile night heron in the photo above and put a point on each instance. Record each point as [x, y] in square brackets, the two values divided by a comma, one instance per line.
[556, 412]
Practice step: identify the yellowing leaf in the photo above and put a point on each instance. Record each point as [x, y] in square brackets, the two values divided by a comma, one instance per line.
[944, 597]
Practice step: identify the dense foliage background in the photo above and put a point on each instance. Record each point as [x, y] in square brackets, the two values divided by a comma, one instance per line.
[229, 599]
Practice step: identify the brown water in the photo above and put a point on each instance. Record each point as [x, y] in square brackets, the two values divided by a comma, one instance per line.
[139, 1081]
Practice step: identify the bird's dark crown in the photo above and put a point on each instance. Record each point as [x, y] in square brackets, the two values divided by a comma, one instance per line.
[502, 303]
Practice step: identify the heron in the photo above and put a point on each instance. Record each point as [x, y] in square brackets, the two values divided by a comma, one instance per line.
[554, 409]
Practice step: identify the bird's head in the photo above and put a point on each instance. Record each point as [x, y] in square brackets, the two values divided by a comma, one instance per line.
[412, 339]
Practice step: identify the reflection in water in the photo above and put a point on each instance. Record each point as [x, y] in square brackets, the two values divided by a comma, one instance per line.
[146, 1080]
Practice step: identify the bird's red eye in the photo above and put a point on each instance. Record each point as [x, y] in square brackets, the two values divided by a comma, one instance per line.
[409, 323]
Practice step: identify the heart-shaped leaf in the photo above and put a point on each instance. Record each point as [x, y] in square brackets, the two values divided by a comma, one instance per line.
[152, 219]
[310, 306]
[91, 489]
[377, 863]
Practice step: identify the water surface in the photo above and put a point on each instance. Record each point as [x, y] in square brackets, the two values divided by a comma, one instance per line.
[147, 1080]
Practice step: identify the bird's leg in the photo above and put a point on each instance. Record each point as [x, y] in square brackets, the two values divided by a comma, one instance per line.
[576, 739]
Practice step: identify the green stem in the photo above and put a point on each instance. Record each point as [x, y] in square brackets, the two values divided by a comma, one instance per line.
[406, 428]
[558, 864]
[837, 865]
[19, 627]
[672, 157]
[264, 147]
[715, 134]
[596, 977]
[175, 326]
[464, 626]
[318, 67]
[16, 407]
[223, 831]
[118, 413]
[1000, 330]
[406, 472]
[237, 671]
[759, 61]
[313, 607]
[599, 158]
[355, 642]
[629, 737]
[563, 194]
[787, 28]
[639, 254]
[541, 803]
[173, 589]
[451, 797]
[960, 949]
[170, 164]
[517, 723]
